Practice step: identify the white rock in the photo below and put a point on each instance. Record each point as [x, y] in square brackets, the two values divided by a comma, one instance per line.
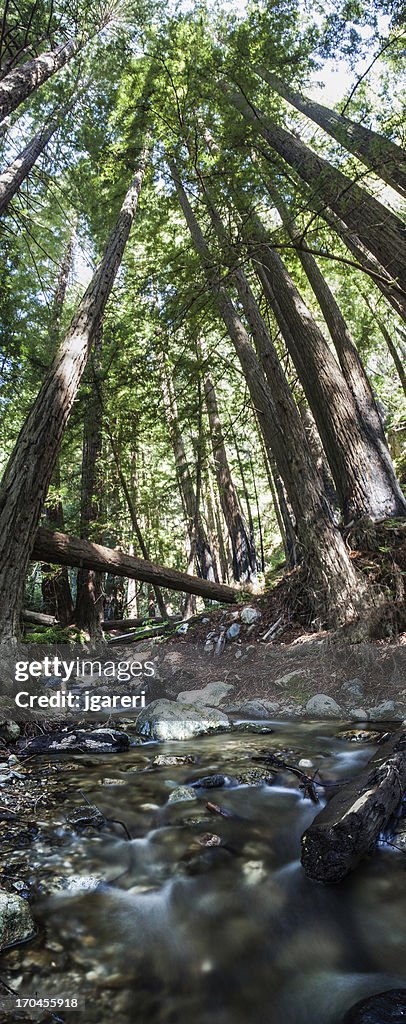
[323, 706]
[16, 923]
[250, 615]
[170, 720]
[210, 695]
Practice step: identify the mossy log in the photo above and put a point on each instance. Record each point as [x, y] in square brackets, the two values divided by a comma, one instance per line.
[349, 826]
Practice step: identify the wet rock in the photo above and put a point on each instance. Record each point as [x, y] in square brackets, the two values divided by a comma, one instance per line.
[383, 710]
[96, 741]
[112, 782]
[210, 695]
[211, 782]
[209, 839]
[85, 816]
[250, 615]
[170, 720]
[16, 923]
[359, 736]
[70, 883]
[253, 727]
[180, 794]
[168, 760]
[254, 777]
[323, 706]
[385, 1008]
[305, 763]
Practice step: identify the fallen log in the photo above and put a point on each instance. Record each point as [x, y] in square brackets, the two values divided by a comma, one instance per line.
[348, 827]
[142, 634]
[60, 549]
[38, 618]
[133, 623]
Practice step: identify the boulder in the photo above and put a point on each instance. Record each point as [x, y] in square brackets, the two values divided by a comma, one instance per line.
[16, 923]
[359, 714]
[385, 709]
[250, 615]
[254, 708]
[323, 706]
[94, 741]
[210, 695]
[353, 688]
[384, 1008]
[171, 720]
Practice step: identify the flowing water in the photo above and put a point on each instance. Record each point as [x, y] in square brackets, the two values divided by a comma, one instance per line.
[200, 917]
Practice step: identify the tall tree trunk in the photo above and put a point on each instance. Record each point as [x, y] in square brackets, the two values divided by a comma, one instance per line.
[380, 154]
[28, 473]
[89, 611]
[381, 231]
[55, 585]
[339, 331]
[397, 359]
[189, 498]
[356, 450]
[18, 170]
[25, 79]
[215, 529]
[134, 518]
[335, 591]
[244, 555]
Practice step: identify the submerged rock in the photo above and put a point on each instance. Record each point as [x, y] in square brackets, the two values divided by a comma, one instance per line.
[211, 782]
[359, 736]
[170, 720]
[255, 777]
[180, 794]
[384, 1008]
[168, 760]
[16, 923]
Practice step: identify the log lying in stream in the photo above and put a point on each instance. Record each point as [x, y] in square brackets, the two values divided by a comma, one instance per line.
[60, 549]
[348, 827]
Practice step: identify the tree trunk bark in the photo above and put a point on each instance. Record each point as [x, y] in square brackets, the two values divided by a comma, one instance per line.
[356, 449]
[381, 155]
[134, 518]
[349, 826]
[335, 591]
[196, 529]
[89, 596]
[55, 586]
[397, 359]
[381, 231]
[19, 169]
[26, 78]
[244, 556]
[63, 550]
[339, 331]
[27, 476]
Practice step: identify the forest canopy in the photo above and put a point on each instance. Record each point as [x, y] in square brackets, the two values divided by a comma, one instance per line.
[203, 306]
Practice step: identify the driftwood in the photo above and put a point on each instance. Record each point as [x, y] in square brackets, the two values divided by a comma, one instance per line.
[348, 827]
[39, 618]
[60, 549]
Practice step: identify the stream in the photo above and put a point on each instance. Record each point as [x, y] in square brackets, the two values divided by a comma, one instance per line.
[200, 917]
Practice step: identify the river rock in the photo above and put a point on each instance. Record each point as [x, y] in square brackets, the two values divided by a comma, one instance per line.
[323, 706]
[233, 631]
[96, 741]
[385, 1008]
[211, 782]
[353, 688]
[210, 695]
[359, 714]
[254, 777]
[16, 923]
[250, 615]
[168, 760]
[10, 730]
[360, 736]
[170, 720]
[180, 794]
[383, 710]
[254, 708]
